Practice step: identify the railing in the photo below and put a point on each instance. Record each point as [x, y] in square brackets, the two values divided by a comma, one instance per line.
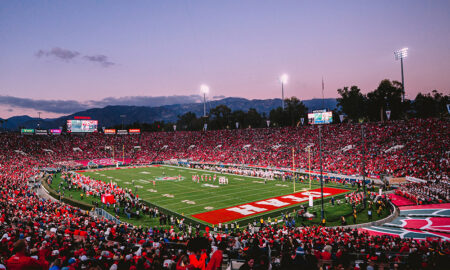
[102, 213]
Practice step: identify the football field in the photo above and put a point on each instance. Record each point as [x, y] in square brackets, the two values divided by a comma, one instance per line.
[208, 202]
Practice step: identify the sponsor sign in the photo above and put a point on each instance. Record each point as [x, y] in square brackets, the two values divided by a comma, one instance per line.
[122, 132]
[41, 132]
[134, 131]
[55, 131]
[259, 207]
[397, 180]
[27, 131]
[415, 180]
[82, 117]
[110, 131]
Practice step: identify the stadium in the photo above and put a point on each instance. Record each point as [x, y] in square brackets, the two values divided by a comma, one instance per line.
[167, 187]
[162, 142]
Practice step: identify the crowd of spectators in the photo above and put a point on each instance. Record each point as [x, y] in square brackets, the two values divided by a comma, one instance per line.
[38, 233]
[430, 192]
[415, 147]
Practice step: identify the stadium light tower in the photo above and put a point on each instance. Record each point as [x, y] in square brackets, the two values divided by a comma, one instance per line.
[283, 81]
[322, 214]
[399, 55]
[205, 90]
[122, 116]
[363, 165]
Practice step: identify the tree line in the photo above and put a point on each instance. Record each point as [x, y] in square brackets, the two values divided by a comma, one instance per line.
[353, 106]
[387, 100]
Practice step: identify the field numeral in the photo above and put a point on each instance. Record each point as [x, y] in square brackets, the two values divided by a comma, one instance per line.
[188, 202]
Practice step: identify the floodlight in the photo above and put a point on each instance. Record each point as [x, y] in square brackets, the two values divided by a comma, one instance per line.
[400, 54]
[284, 78]
[204, 89]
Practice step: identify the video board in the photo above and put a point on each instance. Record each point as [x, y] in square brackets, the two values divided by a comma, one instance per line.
[320, 118]
[82, 126]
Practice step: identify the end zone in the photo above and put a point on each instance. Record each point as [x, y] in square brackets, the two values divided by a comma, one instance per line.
[259, 207]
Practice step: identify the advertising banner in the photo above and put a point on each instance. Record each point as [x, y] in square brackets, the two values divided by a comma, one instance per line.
[134, 131]
[27, 131]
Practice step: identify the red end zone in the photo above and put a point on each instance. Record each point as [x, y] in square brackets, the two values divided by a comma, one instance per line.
[259, 207]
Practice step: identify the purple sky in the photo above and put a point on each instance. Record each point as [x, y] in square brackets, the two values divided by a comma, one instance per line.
[55, 53]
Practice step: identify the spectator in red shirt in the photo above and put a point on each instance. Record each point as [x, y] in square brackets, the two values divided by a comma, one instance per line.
[20, 260]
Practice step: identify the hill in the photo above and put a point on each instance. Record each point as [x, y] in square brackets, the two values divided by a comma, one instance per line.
[110, 115]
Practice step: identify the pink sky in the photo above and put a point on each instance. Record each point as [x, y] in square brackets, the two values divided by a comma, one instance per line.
[237, 48]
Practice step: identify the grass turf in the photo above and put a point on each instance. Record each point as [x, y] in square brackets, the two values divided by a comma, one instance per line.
[188, 198]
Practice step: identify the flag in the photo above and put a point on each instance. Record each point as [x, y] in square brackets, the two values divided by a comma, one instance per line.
[388, 114]
[323, 97]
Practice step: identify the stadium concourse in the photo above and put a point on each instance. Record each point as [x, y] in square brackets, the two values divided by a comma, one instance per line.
[38, 234]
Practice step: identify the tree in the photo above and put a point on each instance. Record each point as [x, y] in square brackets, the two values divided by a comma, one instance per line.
[220, 117]
[239, 116]
[295, 109]
[430, 105]
[388, 96]
[352, 102]
[278, 117]
[189, 121]
[254, 119]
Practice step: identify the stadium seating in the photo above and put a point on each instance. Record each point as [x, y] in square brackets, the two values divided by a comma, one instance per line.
[53, 233]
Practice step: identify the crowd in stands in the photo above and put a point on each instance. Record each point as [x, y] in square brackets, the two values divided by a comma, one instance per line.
[38, 233]
[415, 147]
[426, 193]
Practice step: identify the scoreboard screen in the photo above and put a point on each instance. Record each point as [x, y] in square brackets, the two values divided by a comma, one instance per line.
[320, 118]
[82, 126]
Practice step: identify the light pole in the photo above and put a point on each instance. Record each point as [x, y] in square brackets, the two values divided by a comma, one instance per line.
[283, 80]
[363, 165]
[321, 172]
[399, 55]
[39, 121]
[122, 116]
[308, 148]
[204, 89]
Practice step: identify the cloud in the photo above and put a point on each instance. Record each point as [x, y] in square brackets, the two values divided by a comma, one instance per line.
[100, 59]
[68, 55]
[146, 100]
[72, 106]
[62, 54]
[55, 106]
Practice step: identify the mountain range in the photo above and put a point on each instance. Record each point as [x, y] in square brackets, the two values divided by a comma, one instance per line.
[111, 115]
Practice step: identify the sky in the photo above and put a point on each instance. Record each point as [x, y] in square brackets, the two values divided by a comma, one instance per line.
[59, 57]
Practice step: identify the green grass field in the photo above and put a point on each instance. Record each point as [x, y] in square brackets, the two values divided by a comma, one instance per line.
[188, 198]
